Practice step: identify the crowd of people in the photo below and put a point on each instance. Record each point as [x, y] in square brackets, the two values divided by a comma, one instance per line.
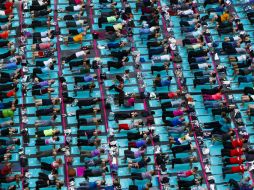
[91, 92]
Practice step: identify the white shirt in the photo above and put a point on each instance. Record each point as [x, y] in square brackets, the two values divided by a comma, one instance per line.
[241, 58]
[80, 53]
[44, 34]
[47, 39]
[47, 63]
[187, 12]
[165, 57]
[79, 22]
[203, 65]
[77, 7]
[152, 29]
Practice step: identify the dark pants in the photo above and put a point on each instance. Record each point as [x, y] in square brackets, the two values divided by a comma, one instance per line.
[248, 90]
[157, 51]
[137, 176]
[46, 166]
[101, 20]
[39, 142]
[71, 57]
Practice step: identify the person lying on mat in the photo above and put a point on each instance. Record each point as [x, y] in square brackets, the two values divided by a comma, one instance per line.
[89, 121]
[98, 184]
[6, 43]
[118, 88]
[143, 175]
[146, 186]
[212, 91]
[47, 111]
[88, 133]
[85, 87]
[189, 159]
[126, 126]
[124, 115]
[42, 46]
[176, 112]
[140, 164]
[95, 162]
[178, 141]
[52, 166]
[5, 113]
[182, 148]
[139, 143]
[158, 82]
[119, 64]
[86, 78]
[40, 13]
[233, 160]
[47, 132]
[217, 96]
[115, 28]
[82, 62]
[91, 110]
[73, 8]
[204, 80]
[48, 183]
[95, 172]
[188, 173]
[233, 169]
[11, 141]
[78, 54]
[94, 153]
[108, 19]
[163, 67]
[243, 184]
[6, 169]
[48, 153]
[44, 54]
[200, 66]
[89, 142]
[225, 109]
[169, 95]
[47, 102]
[6, 124]
[134, 154]
[233, 152]
[49, 122]
[138, 135]
[52, 140]
[186, 184]
[214, 104]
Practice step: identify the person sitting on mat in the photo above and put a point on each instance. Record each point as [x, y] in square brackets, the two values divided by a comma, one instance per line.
[47, 141]
[48, 132]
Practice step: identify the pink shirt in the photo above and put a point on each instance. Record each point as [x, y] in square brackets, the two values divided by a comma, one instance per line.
[78, 2]
[131, 101]
[217, 96]
[44, 45]
[178, 112]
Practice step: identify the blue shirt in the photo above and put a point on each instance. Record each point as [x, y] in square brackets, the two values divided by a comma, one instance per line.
[176, 122]
[88, 78]
[165, 82]
[11, 66]
[113, 45]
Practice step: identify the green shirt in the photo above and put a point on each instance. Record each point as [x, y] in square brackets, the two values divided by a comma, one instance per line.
[7, 113]
[111, 18]
[48, 132]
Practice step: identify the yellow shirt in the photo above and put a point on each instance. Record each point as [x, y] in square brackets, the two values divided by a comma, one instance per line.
[78, 38]
[224, 17]
[118, 26]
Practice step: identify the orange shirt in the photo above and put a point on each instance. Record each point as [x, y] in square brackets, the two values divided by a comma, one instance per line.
[78, 38]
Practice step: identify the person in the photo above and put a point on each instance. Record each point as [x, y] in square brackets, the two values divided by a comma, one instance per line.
[133, 154]
[95, 172]
[233, 160]
[89, 133]
[235, 143]
[47, 132]
[243, 184]
[146, 186]
[139, 143]
[76, 55]
[91, 142]
[126, 126]
[5, 113]
[233, 152]
[188, 173]
[190, 160]
[53, 166]
[51, 140]
[91, 185]
[144, 175]
[93, 153]
[181, 148]
[137, 135]
[47, 102]
[49, 111]
[140, 164]
[109, 19]
[86, 78]
[233, 169]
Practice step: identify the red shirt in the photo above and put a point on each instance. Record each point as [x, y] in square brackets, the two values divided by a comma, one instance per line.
[236, 160]
[172, 95]
[237, 169]
[10, 93]
[5, 170]
[236, 152]
[237, 143]
[8, 7]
